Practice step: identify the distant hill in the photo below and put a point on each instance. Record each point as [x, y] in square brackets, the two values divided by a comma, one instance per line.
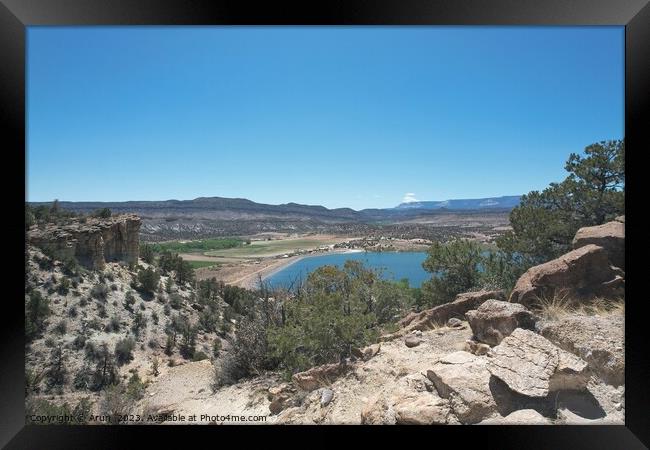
[220, 208]
[218, 216]
[505, 202]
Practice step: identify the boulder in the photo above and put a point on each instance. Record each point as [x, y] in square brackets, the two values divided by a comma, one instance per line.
[326, 397]
[454, 322]
[412, 341]
[463, 379]
[281, 397]
[430, 318]
[610, 236]
[496, 319]
[582, 273]
[377, 411]
[319, 376]
[370, 351]
[519, 417]
[422, 409]
[531, 365]
[599, 340]
[411, 402]
[476, 348]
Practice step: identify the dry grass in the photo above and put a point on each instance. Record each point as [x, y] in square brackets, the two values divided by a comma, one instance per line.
[561, 304]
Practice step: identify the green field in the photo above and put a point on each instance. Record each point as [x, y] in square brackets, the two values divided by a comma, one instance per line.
[259, 249]
[202, 245]
[200, 264]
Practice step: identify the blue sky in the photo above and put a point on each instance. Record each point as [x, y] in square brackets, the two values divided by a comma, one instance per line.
[340, 116]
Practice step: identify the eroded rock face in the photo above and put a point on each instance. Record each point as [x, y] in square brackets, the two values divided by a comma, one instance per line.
[610, 236]
[92, 243]
[599, 340]
[319, 376]
[531, 365]
[582, 273]
[463, 379]
[428, 319]
[495, 319]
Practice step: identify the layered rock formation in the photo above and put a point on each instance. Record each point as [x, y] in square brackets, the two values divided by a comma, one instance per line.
[93, 242]
[595, 268]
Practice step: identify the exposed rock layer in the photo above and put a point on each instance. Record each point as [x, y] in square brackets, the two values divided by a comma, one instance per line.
[92, 243]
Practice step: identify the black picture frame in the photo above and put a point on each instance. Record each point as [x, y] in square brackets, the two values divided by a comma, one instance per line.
[16, 15]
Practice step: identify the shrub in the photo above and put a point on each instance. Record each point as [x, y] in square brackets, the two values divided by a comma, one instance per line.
[146, 253]
[105, 373]
[216, 347]
[113, 325]
[103, 213]
[61, 327]
[139, 323]
[135, 387]
[83, 378]
[129, 301]
[175, 301]
[64, 286]
[249, 354]
[148, 280]
[124, 350]
[36, 312]
[70, 266]
[99, 291]
[79, 341]
[115, 403]
[101, 311]
[56, 373]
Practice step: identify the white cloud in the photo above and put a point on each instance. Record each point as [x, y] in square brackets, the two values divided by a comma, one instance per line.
[409, 197]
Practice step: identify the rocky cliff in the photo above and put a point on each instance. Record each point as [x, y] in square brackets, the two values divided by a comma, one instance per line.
[93, 242]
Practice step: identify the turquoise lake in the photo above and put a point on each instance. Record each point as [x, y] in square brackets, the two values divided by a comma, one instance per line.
[392, 266]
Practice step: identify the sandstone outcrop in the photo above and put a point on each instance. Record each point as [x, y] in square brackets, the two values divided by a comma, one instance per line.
[599, 340]
[412, 403]
[582, 273]
[531, 365]
[463, 379]
[610, 236]
[495, 319]
[319, 376]
[430, 318]
[92, 243]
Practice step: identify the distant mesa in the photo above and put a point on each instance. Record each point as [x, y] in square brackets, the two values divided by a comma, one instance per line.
[504, 202]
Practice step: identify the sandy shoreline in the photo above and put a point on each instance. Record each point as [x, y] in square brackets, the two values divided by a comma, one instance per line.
[248, 274]
[295, 259]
